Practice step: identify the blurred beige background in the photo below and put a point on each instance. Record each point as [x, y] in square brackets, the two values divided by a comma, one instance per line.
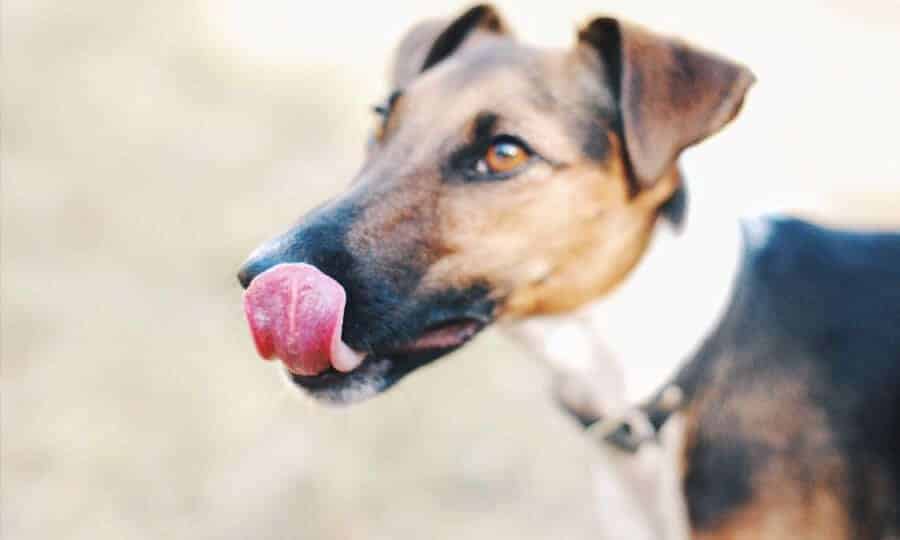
[148, 146]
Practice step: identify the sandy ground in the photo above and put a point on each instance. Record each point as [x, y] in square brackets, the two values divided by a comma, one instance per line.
[148, 146]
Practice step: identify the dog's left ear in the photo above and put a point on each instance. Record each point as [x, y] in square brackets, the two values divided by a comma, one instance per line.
[670, 95]
[431, 41]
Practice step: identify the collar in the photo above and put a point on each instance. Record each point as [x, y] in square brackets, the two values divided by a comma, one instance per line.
[634, 427]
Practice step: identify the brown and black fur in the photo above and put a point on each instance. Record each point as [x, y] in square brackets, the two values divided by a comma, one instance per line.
[794, 400]
[786, 439]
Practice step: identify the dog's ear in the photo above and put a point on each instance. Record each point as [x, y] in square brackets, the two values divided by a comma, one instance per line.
[670, 95]
[431, 41]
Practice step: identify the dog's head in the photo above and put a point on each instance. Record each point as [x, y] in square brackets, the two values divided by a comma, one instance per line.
[502, 181]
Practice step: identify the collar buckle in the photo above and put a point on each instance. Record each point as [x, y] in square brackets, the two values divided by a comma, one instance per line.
[636, 426]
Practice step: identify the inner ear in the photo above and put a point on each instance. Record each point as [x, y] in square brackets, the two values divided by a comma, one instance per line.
[432, 41]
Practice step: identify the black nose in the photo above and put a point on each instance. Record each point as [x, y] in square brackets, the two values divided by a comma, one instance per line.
[281, 249]
[318, 240]
[254, 267]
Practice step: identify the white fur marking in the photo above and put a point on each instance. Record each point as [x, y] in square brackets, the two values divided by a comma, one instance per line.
[758, 230]
[638, 336]
[640, 494]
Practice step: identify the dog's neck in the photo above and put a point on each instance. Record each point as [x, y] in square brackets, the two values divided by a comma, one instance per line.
[628, 344]
[670, 303]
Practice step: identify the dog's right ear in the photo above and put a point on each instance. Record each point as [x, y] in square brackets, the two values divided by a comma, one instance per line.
[670, 95]
[433, 40]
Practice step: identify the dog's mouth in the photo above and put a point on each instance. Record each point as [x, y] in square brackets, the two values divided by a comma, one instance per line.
[439, 337]
[384, 366]
[296, 312]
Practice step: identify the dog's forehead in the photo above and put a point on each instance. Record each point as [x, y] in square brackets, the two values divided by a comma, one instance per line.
[494, 73]
[533, 92]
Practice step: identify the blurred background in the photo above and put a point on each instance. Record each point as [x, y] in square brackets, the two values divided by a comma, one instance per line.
[149, 146]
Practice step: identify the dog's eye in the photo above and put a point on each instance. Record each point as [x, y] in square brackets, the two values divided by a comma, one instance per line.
[505, 155]
[383, 111]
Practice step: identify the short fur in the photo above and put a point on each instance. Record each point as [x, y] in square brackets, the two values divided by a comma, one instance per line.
[791, 405]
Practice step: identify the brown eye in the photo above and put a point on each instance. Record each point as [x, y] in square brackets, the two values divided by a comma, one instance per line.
[505, 155]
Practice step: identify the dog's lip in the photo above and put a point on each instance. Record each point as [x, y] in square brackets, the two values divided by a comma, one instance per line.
[435, 341]
[445, 335]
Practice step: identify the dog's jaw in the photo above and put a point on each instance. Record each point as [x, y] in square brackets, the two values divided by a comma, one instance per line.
[381, 370]
[366, 381]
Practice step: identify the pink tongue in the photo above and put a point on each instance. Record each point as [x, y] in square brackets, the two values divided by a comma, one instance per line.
[295, 313]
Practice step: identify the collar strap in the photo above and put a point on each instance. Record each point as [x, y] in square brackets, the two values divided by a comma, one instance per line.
[635, 426]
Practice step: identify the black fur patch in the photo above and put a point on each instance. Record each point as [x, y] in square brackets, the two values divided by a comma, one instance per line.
[820, 308]
[458, 31]
[719, 477]
[675, 209]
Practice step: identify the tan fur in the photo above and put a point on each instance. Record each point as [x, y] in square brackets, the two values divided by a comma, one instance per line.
[571, 226]
[607, 120]
[551, 244]
[797, 490]
[784, 514]
[567, 230]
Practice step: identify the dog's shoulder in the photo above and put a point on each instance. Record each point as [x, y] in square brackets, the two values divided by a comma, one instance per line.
[783, 247]
[836, 290]
[795, 398]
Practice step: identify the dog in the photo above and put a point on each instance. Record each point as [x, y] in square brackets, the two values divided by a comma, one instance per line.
[510, 185]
